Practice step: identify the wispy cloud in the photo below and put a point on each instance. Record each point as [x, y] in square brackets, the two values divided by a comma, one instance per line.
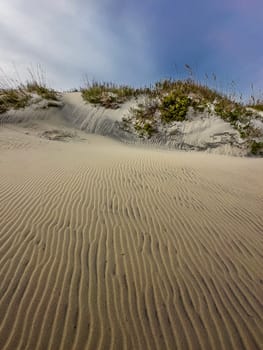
[133, 41]
[71, 40]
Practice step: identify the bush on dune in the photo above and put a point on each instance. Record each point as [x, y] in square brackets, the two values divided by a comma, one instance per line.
[174, 107]
[256, 148]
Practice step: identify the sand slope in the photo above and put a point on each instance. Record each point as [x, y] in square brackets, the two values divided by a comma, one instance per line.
[110, 246]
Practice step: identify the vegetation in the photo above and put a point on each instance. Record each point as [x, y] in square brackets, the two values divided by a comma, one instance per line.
[13, 98]
[145, 129]
[109, 95]
[258, 106]
[41, 90]
[159, 106]
[174, 107]
[16, 98]
[256, 148]
[170, 100]
[15, 95]
[144, 117]
[37, 83]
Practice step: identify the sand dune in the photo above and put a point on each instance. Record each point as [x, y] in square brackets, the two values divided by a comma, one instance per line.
[110, 246]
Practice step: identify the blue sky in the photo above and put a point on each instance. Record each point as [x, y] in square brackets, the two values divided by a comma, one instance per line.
[134, 42]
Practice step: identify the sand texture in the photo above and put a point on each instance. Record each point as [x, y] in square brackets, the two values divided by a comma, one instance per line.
[105, 245]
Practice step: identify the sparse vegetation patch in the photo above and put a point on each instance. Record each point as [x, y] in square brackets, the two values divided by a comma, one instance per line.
[13, 98]
[14, 94]
[258, 106]
[41, 90]
[110, 95]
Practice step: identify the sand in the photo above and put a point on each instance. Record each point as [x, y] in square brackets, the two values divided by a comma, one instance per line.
[111, 246]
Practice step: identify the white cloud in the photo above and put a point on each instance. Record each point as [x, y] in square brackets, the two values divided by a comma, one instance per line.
[72, 38]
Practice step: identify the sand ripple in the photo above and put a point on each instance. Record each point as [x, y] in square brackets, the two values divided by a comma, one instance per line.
[105, 246]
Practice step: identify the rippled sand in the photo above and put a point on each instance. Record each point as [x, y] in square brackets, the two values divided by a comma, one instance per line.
[110, 246]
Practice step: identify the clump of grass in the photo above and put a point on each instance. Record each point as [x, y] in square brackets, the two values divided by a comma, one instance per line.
[41, 90]
[110, 95]
[13, 98]
[107, 95]
[257, 106]
[187, 86]
[14, 94]
[37, 83]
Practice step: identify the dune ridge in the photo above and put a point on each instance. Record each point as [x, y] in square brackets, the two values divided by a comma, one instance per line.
[110, 246]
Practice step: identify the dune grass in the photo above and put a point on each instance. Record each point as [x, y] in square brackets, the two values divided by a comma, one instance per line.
[174, 97]
[110, 95]
[41, 90]
[13, 98]
[15, 94]
[257, 106]
[165, 102]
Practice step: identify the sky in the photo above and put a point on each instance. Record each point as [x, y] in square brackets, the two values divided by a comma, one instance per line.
[134, 42]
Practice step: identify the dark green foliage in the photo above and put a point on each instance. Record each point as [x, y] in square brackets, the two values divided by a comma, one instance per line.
[174, 107]
[256, 148]
[230, 111]
[149, 129]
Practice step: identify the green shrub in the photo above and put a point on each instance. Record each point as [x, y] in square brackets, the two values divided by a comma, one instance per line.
[230, 111]
[256, 148]
[149, 129]
[174, 107]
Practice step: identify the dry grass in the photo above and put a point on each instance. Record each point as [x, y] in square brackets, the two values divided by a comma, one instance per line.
[110, 95]
[13, 99]
[15, 94]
